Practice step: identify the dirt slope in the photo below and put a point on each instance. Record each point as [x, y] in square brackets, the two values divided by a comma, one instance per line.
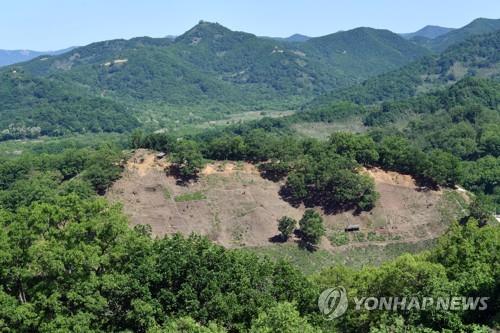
[236, 207]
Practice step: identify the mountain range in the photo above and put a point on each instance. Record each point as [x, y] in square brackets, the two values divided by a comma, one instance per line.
[210, 71]
[9, 57]
[478, 56]
[442, 42]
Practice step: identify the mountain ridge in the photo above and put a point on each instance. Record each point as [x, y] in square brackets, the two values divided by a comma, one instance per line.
[210, 55]
[9, 57]
[429, 31]
[478, 26]
[477, 56]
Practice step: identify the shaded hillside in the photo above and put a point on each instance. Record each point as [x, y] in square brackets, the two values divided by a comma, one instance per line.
[476, 27]
[478, 56]
[365, 50]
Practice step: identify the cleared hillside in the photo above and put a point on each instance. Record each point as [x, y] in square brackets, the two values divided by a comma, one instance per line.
[235, 207]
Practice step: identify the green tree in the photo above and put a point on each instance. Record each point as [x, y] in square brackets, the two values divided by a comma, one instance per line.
[188, 158]
[482, 209]
[444, 168]
[187, 325]
[311, 227]
[360, 147]
[286, 226]
[281, 318]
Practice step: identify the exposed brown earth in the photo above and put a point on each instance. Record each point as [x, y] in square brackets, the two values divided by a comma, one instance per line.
[240, 208]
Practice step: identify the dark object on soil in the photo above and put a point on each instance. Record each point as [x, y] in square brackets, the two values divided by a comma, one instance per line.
[352, 227]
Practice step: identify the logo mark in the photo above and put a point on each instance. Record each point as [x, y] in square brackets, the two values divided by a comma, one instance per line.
[333, 302]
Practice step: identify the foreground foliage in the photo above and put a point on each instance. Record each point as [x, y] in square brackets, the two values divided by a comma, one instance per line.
[69, 262]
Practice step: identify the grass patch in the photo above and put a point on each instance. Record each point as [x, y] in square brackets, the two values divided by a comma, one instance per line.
[312, 262]
[166, 193]
[359, 236]
[452, 206]
[307, 262]
[373, 236]
[339, 238]
[194, 196]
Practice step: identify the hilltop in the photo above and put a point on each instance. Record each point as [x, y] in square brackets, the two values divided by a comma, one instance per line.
[477, 56]
[443, 41]
[210, 71]
[429, 31]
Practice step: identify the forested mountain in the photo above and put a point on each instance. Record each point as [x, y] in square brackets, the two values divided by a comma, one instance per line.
[212, 68]
[429, 31]
[72, 261]
[477, 56]
[42, 106]
[364, 50]
[442, 42]
[210, 52]
[9, 57]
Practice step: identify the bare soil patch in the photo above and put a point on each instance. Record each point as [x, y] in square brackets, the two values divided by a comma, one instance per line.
[240, 208]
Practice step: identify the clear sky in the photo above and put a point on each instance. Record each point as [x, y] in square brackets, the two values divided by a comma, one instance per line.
[54, 24]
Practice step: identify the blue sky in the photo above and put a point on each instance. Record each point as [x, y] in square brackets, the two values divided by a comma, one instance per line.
[54, 24]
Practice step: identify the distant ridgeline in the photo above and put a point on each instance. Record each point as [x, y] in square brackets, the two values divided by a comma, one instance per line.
[210, 71]
[477, 56]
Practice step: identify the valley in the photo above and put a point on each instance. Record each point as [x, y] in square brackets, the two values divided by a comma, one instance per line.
[217, 181]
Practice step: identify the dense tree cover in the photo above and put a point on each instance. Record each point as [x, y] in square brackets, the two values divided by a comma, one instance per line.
[477, 55]
[206, 73]
[30, 107]
[329, 113]
[32, 178]
[457, 126]
[465, 263]
[458, 100]
[477, 27]
[187, 158]
[72, 264]
[331, 181]
[69, 262]
[451, 136]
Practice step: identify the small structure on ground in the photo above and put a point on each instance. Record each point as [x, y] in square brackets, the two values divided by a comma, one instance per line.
[352, 227]
[160, 155]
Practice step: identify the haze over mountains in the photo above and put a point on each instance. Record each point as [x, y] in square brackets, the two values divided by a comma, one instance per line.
[476, 27]
[210, 71]
[9, 57]
[429, 31]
